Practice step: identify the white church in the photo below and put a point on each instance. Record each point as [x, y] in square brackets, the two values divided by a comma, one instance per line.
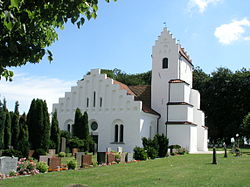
[120, 115]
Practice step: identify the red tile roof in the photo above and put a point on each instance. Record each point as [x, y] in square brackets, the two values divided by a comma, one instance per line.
[184, 54]
[178, 81]
[141, 93]
[180, 123]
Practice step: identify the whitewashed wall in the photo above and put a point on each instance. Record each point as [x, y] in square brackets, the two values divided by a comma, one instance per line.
[116, 105]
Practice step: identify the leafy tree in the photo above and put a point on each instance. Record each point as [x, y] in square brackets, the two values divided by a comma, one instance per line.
[23, 140]
[7, 131]
[28, 27]
[246, 125]
[77, 123]
[15, 126]
[55, 132]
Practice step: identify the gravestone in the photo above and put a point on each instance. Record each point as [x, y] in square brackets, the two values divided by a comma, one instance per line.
[31, 152]
[101, 157]
[52, 152]
[54, 163]
[129, 157]
[78, 157]
[8, 164]
[119, 149]
[123, 157]
[110, 158]
[63, 144]
[87, 160]
[74, 151]
[44, 158]
[108, 150]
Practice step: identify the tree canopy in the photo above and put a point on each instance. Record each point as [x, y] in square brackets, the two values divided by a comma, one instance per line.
[28, 27]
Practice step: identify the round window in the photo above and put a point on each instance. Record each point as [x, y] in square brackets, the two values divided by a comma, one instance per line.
[94, 126]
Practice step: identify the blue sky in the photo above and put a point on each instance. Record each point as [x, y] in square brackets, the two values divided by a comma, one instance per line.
[215, 33]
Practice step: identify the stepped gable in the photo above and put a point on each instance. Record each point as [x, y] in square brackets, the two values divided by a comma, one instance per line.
[185, 55]
[143, 93]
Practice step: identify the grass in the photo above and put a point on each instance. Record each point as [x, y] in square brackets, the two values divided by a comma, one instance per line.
[187, 170]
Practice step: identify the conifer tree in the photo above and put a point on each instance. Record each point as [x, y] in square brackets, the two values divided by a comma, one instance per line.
[38, 125]
[85, 127]
[55, 132]
[7, 130]
[23, 140]
[77, 123]
[15, 126]
[2, 122]
[45, 130]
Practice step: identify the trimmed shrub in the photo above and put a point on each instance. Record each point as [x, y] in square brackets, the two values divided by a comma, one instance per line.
[39, 152]
[12, 152]
[72, 164]
[140, 153]
[152, 152]
[61, 154]
[42, 167]
[76, 143]
[162, 142]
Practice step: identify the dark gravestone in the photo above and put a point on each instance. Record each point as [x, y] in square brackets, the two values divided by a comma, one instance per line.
[129, 157]
[78, 157]
[101, 157]
[110, 158]
[87, 160]
[54, 163]
[63, 144]
[8, 164]
[31, 152]
[44, 158]
[52, 152]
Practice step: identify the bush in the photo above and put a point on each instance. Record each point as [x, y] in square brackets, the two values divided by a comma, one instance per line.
[72, 164]
[162, 142]
[61, 154]
[181, 151]
[140, 153]
[42, 167]
[39, 152]
[117, 157]
[12, 152]
[152, 153]
[76, 143]
[12, 173]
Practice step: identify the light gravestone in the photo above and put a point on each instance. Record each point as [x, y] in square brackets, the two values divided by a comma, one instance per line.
[78, 157]
[52, 152]
[108, 150]
[44, 158]
[63, 144]
[8, 164]
[129, 157]
[123, 157]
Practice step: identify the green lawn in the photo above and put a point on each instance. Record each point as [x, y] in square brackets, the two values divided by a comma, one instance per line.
[187, 170]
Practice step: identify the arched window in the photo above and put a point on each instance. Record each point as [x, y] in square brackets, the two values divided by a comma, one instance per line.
[164, 63]
[94, 100]
[87, 102]
[100, 102]
[68, 128]
[116, 133]
[121, 133]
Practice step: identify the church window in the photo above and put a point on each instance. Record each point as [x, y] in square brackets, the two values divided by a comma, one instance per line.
[100, 101]
[94, 100]
[87, 102]
[68, 128]
[164, 63]
[116, 133]
[121, 133]
[94, 126]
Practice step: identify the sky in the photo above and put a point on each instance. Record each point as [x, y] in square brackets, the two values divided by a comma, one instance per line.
[215, 33]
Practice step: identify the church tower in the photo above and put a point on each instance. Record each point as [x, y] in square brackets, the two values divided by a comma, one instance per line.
[172, 95]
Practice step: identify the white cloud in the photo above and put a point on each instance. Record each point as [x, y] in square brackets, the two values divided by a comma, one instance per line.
[24, 88]
[201, 4]
[228, 33]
